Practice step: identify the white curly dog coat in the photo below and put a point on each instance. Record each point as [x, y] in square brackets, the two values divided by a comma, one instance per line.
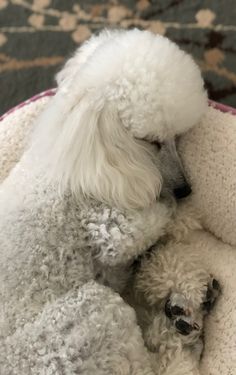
[91, 194]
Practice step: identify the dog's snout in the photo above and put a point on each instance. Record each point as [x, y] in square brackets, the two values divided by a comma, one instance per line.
[182, 191]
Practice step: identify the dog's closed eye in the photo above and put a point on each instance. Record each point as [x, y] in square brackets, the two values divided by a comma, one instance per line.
[154, 142]
[158, 144]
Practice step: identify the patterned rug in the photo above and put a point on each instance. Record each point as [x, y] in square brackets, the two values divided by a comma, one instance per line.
[37, 35]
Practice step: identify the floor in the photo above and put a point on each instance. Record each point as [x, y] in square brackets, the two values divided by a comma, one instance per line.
[36, 36]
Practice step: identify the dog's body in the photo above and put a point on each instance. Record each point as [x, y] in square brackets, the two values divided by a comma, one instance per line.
[107, 202]
[49, 263]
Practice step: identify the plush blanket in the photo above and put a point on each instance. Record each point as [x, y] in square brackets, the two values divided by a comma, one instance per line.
[209, 155]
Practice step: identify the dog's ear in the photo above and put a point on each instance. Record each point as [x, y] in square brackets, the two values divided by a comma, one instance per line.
[92, 154]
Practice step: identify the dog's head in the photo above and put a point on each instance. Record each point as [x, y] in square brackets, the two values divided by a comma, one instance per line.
[110, 129]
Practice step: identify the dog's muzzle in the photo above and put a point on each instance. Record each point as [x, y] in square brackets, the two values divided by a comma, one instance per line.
[182, 191]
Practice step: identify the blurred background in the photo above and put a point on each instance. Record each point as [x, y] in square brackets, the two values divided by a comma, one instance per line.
[36, 36]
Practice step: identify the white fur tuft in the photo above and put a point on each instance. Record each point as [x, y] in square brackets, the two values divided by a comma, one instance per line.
[95, 156]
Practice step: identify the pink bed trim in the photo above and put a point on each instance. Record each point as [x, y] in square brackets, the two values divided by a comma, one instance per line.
[34, 98]
[222, 107]
[51, 92]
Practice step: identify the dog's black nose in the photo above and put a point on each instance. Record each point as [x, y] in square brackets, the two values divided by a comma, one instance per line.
[182, 191]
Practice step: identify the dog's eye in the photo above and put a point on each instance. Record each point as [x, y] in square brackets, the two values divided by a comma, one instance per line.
[154, 142]
[157, 144]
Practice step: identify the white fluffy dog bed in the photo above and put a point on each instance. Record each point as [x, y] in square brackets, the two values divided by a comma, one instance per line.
[209, 155]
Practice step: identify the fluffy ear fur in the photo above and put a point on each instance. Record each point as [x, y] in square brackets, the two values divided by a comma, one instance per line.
[92, 154]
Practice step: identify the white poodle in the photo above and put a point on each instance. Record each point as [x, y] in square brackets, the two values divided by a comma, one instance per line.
[171, 294]
[93, 191]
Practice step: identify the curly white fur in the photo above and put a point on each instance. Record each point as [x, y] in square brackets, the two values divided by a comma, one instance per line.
[99, 210]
